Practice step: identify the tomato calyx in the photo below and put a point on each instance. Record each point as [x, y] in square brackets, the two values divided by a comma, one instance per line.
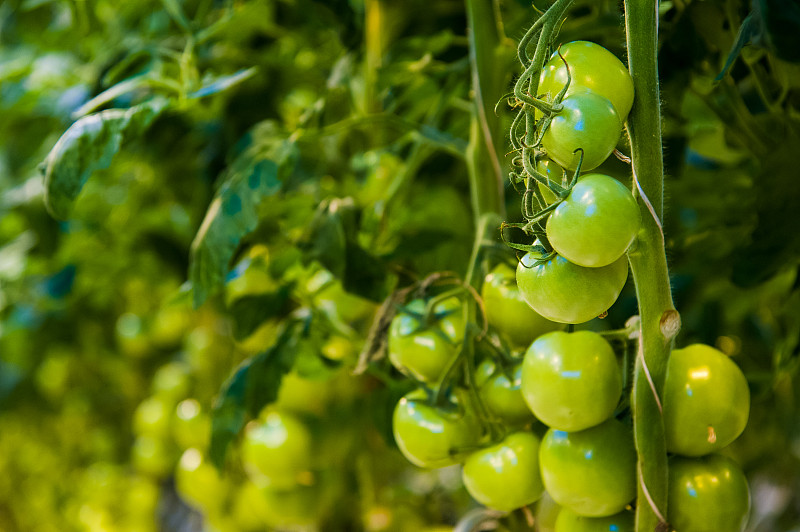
[541, 247]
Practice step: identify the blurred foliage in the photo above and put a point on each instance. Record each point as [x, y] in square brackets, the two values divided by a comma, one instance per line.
[300, 160]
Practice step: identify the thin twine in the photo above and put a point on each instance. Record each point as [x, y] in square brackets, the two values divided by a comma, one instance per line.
[648, 497]
[640, 354]
[647, 202]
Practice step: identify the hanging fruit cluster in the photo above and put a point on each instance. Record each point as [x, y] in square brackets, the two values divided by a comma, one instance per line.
[527, 407]
[583, 224]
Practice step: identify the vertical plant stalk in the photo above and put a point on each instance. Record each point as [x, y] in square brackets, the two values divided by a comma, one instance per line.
[489, 73]
[660, 321]
[374, 14]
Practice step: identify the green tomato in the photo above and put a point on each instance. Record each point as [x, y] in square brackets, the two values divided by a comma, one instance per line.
[132, 338]
[345, 306]
[304, 396]
[152, 417]
[591, 67]
[587, 121]
[503, 396]
[142, 496]
[567, 293]
[340, 305]
[592, 472]
[172, 381]
[430, 437]
[169, 326]
[425, 353]
[266, 508]
[569, 521]
[508, 312]
[706, 401]
[152, 456]
[199, 482]
[571, 381]
[276, 450]
[340, 349]
[707, 494]
[596, 223]
[191, 427]
[505, 476]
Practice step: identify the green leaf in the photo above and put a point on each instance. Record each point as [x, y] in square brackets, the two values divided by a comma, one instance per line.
[326, 239]
[123, 87]
[223, 83]
[250, 311]
[253, 386]
[176, 12]
[332, 240]
[443, 140]
[750, 28]
[89, 145]
[233, 214]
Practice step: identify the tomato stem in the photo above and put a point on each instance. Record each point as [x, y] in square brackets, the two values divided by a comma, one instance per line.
[484, 152]
[487, 224]
[649, 266]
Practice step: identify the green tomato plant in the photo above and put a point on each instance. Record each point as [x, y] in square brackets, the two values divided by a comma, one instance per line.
[596, 223]
[569, 521]
[506, 475]
[432, 437]
[425, 345]
[564, 292]
[318, 217]
[571, 381]
[277, 449]
[507, 310]
[587, 123]
[591, 67]
[707, 493]
[592, 471]
[706, 401]
[501, 392]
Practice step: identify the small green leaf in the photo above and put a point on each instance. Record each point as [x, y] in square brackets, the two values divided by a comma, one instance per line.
[223, 83]
[750, 29]
[253, 386]
[443, 140]
[326, 239]
[88, 145]
[250, 311]
[176, 12]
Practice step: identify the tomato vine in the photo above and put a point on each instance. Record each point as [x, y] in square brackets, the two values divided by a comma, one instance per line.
[659, 321]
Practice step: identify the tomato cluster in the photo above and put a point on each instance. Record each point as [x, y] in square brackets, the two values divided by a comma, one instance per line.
[573, 383]
[550, 416]
[577, 268]
[569, 381]
[706, 407]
